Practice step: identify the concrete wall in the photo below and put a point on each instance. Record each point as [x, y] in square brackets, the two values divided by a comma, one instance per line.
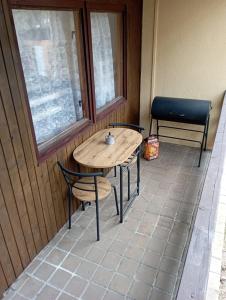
[184, 53]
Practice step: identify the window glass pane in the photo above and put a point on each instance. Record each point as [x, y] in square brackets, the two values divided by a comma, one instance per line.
[106, 29]
[48, 47]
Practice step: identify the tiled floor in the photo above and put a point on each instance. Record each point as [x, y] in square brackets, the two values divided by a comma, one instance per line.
[139, 259]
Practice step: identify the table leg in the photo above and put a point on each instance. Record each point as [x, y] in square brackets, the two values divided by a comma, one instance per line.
[121, 194]
[138, 170]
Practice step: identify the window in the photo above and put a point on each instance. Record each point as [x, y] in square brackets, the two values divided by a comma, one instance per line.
[107, 54]
[73, 61]
[48, 48]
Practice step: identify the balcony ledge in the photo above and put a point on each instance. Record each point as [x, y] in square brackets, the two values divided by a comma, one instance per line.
[201, 275]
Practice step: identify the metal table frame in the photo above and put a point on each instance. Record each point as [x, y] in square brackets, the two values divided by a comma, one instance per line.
[132, 140]
[131, 197]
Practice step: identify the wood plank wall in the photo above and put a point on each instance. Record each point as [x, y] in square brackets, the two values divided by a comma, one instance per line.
[32, 195]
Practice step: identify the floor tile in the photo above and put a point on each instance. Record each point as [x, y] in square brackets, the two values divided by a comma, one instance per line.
[71, 263]
[125, 235]
[169, 265]
[44, 271]
[76, 286]
[33, 266]
[165, 222]
[139, 240]
[131, 224]
[151, 259]
[113, 296]
[168, 212]
[157, 245]
[75, 232]
[18, 297]
[44, 252]
[146, 228]
[111, 260]
[48, 293]
[139, 291]
[81, 248]
[60, 278]
[178, 239]
[134, 253]
[93, 292]
[118, 247]
[173, 251]
[102, 276]
[127, 267]
[65, 296]
[55, 257]
[86, 269]
[31, 287]
[159, 295]
[95, 254]
[145, 274]
[161, 233]
[120, 284]
[165, 282]
[65, 243]
[20, 281]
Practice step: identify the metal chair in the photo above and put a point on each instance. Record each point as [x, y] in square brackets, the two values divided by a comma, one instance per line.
[87, 187]
[133, 158]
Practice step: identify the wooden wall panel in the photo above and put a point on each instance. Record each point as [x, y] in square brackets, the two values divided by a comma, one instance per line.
[3, 282]
[33, 205]
[5, 260]
[9, 237]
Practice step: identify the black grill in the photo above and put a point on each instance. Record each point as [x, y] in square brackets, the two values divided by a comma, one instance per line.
[181, 110]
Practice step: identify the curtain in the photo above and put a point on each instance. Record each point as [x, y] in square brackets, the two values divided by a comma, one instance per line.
[102, 59]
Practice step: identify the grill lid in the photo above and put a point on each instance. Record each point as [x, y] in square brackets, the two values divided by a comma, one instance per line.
[181, 110]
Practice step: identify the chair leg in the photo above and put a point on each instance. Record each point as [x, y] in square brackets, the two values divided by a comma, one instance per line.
[97, 220]
[83, 205]
[115, 171]
[69, 209]
[128, 171]
[116, 199]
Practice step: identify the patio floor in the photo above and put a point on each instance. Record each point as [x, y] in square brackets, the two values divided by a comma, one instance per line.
[139, 259]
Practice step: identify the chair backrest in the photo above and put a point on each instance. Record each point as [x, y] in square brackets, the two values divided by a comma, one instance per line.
[127, 125]
[71, 177]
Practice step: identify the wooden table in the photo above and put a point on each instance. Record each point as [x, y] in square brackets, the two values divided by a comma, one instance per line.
[95, 153]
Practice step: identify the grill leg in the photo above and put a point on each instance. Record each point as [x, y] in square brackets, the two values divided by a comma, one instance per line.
[201, 148]
[150, 127]
[206, 133]
[157, 128]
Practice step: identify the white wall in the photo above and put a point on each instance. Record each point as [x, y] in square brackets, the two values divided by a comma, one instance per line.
[190, 60]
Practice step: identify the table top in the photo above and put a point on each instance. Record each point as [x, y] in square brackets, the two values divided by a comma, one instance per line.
[95, 153]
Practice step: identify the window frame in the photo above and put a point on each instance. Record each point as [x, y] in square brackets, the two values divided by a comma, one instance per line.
[111, 8]
[84, 8]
